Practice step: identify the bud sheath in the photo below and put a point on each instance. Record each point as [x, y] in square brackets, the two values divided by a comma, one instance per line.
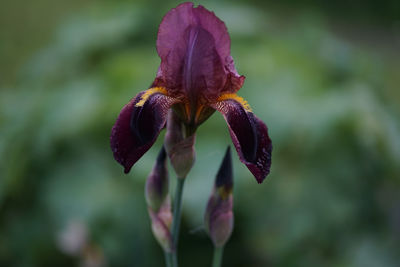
[157, 183]
[180, 148]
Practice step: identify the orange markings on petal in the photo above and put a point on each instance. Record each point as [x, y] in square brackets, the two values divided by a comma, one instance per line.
[148, 93]
[237, 98]
[198, 112]
[187, 110]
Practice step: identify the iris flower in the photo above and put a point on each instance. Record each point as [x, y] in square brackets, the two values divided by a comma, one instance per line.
[196, 76]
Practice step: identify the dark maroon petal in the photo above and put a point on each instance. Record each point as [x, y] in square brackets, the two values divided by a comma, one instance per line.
[250, 137]
[137, 128]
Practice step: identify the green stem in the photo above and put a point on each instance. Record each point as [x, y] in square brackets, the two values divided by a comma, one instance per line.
[217, 259]
[177, 218]
[168, 259]
[174, 260]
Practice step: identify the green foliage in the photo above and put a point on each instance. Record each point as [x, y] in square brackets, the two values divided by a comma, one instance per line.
[331, 104]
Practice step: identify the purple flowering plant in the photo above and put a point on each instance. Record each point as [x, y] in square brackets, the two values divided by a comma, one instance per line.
[196, 77]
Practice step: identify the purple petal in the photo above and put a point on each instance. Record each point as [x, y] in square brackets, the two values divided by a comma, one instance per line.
[234, 81]
[176, 22]
[194, 47]
[137, 128]
[249, 135]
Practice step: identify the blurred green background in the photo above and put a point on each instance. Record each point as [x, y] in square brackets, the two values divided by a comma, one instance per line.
[323, 75]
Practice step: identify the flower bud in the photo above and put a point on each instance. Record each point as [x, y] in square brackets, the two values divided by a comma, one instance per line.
[218, 218]
[180, 149]
[158, 202]
[156, 189]
[160, 226]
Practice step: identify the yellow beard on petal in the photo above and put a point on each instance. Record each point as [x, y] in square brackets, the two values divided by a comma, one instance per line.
[237, 98]
[150, 92]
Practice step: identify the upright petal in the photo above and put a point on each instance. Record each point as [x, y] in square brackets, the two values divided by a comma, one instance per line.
[234, 81]
[138, 126]
[177, 20]
[194, 47]
[249, 135]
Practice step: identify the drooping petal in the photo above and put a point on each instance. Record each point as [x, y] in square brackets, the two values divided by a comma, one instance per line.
[249, 135]
[138, 126]
[194, 47]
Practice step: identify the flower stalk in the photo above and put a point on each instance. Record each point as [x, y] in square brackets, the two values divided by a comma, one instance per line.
[168, 259]
[217, 257]
[177, 209]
